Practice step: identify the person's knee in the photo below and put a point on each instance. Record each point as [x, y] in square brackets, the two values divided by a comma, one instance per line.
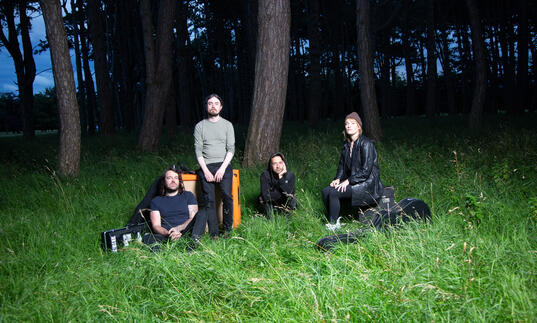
[292, 203]
[268, 209]
[325, 192]
[151, 238]
[330, 193]
[226, 194]
[228, 197]
[334, 198]
[209, 204]
[201, 216]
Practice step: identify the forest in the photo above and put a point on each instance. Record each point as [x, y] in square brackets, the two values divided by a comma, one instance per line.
[146, 65]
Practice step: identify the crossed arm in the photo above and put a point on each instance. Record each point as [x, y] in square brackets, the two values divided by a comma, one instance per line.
[175, 232]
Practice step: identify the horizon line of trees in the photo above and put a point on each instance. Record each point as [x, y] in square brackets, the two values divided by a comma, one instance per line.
[380, 58]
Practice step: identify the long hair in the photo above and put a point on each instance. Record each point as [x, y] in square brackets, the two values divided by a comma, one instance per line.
[162, 182]
[348, 138]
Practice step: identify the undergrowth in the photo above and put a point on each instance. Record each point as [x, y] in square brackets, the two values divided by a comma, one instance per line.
[475, 262]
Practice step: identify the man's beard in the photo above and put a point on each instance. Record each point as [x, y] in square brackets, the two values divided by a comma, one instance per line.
[171, 190]
[213, 114]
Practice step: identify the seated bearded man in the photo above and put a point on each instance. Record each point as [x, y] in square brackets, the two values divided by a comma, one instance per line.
[174, 213]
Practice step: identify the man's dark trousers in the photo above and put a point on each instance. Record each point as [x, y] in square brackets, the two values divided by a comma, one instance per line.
[208, 198]
[196, 228]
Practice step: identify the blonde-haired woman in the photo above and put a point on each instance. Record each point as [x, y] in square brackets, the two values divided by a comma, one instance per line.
[357, 178]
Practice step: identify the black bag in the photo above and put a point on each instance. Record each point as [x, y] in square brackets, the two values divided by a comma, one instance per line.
[404, 211]
[329, 242]
[118, 238]
[387, 199]
[141, 212]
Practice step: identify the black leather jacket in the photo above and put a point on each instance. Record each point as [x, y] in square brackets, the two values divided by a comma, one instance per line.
[362, 171]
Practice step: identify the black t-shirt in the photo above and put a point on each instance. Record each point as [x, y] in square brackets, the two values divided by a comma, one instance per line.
[173, 209]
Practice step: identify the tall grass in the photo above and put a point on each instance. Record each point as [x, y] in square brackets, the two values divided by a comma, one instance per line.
[475, 262]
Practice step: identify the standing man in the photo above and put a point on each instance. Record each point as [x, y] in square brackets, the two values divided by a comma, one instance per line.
[214, 143]
[174, 212]
[277, 186]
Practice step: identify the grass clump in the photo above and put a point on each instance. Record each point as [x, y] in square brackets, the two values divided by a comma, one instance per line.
[475, 261]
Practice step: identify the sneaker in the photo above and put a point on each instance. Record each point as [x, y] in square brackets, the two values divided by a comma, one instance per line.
[336, 226]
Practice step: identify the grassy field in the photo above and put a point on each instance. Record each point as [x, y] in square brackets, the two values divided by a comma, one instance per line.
[476, 262]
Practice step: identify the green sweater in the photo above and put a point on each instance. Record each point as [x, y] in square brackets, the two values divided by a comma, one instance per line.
[212, 140]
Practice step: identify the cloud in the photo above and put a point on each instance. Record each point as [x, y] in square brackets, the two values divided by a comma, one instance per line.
[10, 87]
[43, 81]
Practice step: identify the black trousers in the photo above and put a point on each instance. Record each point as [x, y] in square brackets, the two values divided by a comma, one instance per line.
[208, 198]
[278, 201]
[196, 228]
[332, 199]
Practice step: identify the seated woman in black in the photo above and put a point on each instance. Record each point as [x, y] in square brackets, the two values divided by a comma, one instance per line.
[358, 177]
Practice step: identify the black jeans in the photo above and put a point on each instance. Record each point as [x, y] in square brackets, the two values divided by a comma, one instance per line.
[208, 198]
[278, 201]
[332, 201]
[196, 228]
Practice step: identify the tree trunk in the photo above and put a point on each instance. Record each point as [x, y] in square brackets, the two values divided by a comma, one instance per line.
[335, 29]
[394, 88]
[533, 103]
[102, 75]
[184, 68]
[423, 62]
[270, 85]
[410, 89]
[158, 62]
[227, 72]
[27, 93]
[522, 73]
[246, 56]
[367, 78]
[127, 37]
[171, 115]
[339, 91]
[410, 86]
[69, 152]
[430, 105]
[90, 89]
[494, 72]
[465, 53]
[385, 90]
[480, 84]
[348, 65]
[88, 78]
[300, 82]
[24, 62]
[78, 61]
[314, 106]
[448, 73]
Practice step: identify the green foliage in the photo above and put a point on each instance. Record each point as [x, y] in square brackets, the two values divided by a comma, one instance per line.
[10, 113]
[476, 260]
[533, 207]
[45, 111]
